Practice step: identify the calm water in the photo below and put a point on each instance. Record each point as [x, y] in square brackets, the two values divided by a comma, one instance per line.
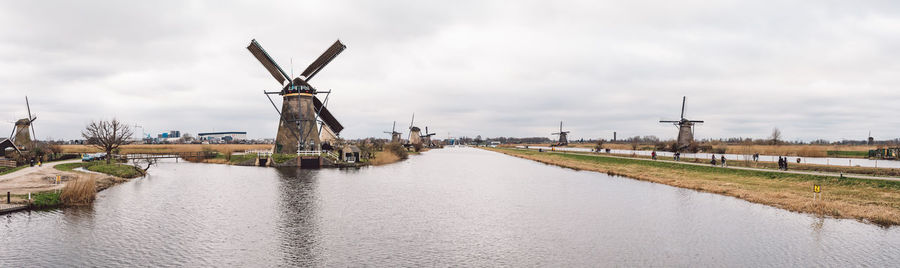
[450, 207]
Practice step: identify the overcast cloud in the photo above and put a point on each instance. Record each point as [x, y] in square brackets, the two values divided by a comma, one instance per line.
[814, 69]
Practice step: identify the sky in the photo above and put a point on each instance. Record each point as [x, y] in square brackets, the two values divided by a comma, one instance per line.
[813, 69]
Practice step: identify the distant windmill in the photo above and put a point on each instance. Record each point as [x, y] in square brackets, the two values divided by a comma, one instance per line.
[563, 136]
[685, 128]
[426, 139]
[414, 137]
[20, 135]
[395, 136]
[301, 111]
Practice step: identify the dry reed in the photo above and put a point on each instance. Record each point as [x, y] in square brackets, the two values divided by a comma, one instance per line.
[81, 191]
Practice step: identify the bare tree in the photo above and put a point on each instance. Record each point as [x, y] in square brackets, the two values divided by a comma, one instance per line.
[107, 135]
[776, 136]
[143, 164]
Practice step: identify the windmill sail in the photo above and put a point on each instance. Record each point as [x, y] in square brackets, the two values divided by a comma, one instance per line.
[267, 62]
[327, 117]
[323, 60]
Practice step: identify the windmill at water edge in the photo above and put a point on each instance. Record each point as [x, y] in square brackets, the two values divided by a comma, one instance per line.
[305, 123]
[395, 136]
[563, 136]
[414, 137]
[685, 128]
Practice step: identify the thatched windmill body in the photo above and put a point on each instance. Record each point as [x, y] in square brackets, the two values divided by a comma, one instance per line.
[395, 136]
[304, 119]
[563, 135]
[415, 136]
[23, 132]
[685, 128]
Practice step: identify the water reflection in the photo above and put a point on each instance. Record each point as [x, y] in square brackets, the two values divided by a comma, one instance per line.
[298, 223]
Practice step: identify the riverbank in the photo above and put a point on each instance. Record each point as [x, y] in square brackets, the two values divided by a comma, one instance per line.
[849, 170]
[807, 150]
[40, 181]
[866, 200]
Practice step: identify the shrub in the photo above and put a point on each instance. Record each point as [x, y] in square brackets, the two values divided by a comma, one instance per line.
[397, 149]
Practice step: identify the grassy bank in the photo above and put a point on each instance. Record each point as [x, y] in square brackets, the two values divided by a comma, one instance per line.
[118, 170]
[45, 200]
[809, 150]
[868, 200]
[872, 171]
[7, 170]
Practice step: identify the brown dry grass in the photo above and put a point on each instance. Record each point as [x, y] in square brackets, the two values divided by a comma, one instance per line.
[384, 158]
[841, 198]
[171, 148]
[81, 191]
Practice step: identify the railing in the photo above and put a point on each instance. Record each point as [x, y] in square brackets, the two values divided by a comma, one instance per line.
[308, 153]
[165, 155]
[7, 163]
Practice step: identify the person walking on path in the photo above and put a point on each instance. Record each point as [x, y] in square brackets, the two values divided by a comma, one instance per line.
[785, 163]
[713, 160]
[653, 155]
[723, 160]
[780, 163]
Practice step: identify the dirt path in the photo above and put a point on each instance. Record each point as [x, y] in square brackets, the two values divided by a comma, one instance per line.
[35, 179]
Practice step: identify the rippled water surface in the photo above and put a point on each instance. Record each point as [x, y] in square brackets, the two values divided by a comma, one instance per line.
[450, 207]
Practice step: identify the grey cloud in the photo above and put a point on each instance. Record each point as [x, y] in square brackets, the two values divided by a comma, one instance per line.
[815, 69]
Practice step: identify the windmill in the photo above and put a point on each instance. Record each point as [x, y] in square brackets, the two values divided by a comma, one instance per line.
[20, 135]
[426, 139]
[414, 137]
[395, 136]
[301, 111]
[563, 140]
[685, 128]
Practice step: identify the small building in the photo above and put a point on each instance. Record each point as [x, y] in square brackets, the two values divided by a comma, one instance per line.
[228, 136]
[7, 148]
[350, 154]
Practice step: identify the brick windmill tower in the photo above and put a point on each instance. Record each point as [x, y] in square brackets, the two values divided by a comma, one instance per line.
[302, 115]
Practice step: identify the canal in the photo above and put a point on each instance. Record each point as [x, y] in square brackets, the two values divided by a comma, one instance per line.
[449, 207]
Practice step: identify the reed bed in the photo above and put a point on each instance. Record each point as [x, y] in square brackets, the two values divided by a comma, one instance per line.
[80, 191]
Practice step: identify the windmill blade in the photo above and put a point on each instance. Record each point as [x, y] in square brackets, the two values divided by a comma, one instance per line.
[683, 100]
[394, 127]
[695, 121]
[323, 60]
[327, 117]
[30, 119]
[267, 62]
[668, 121]
[31, 126]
